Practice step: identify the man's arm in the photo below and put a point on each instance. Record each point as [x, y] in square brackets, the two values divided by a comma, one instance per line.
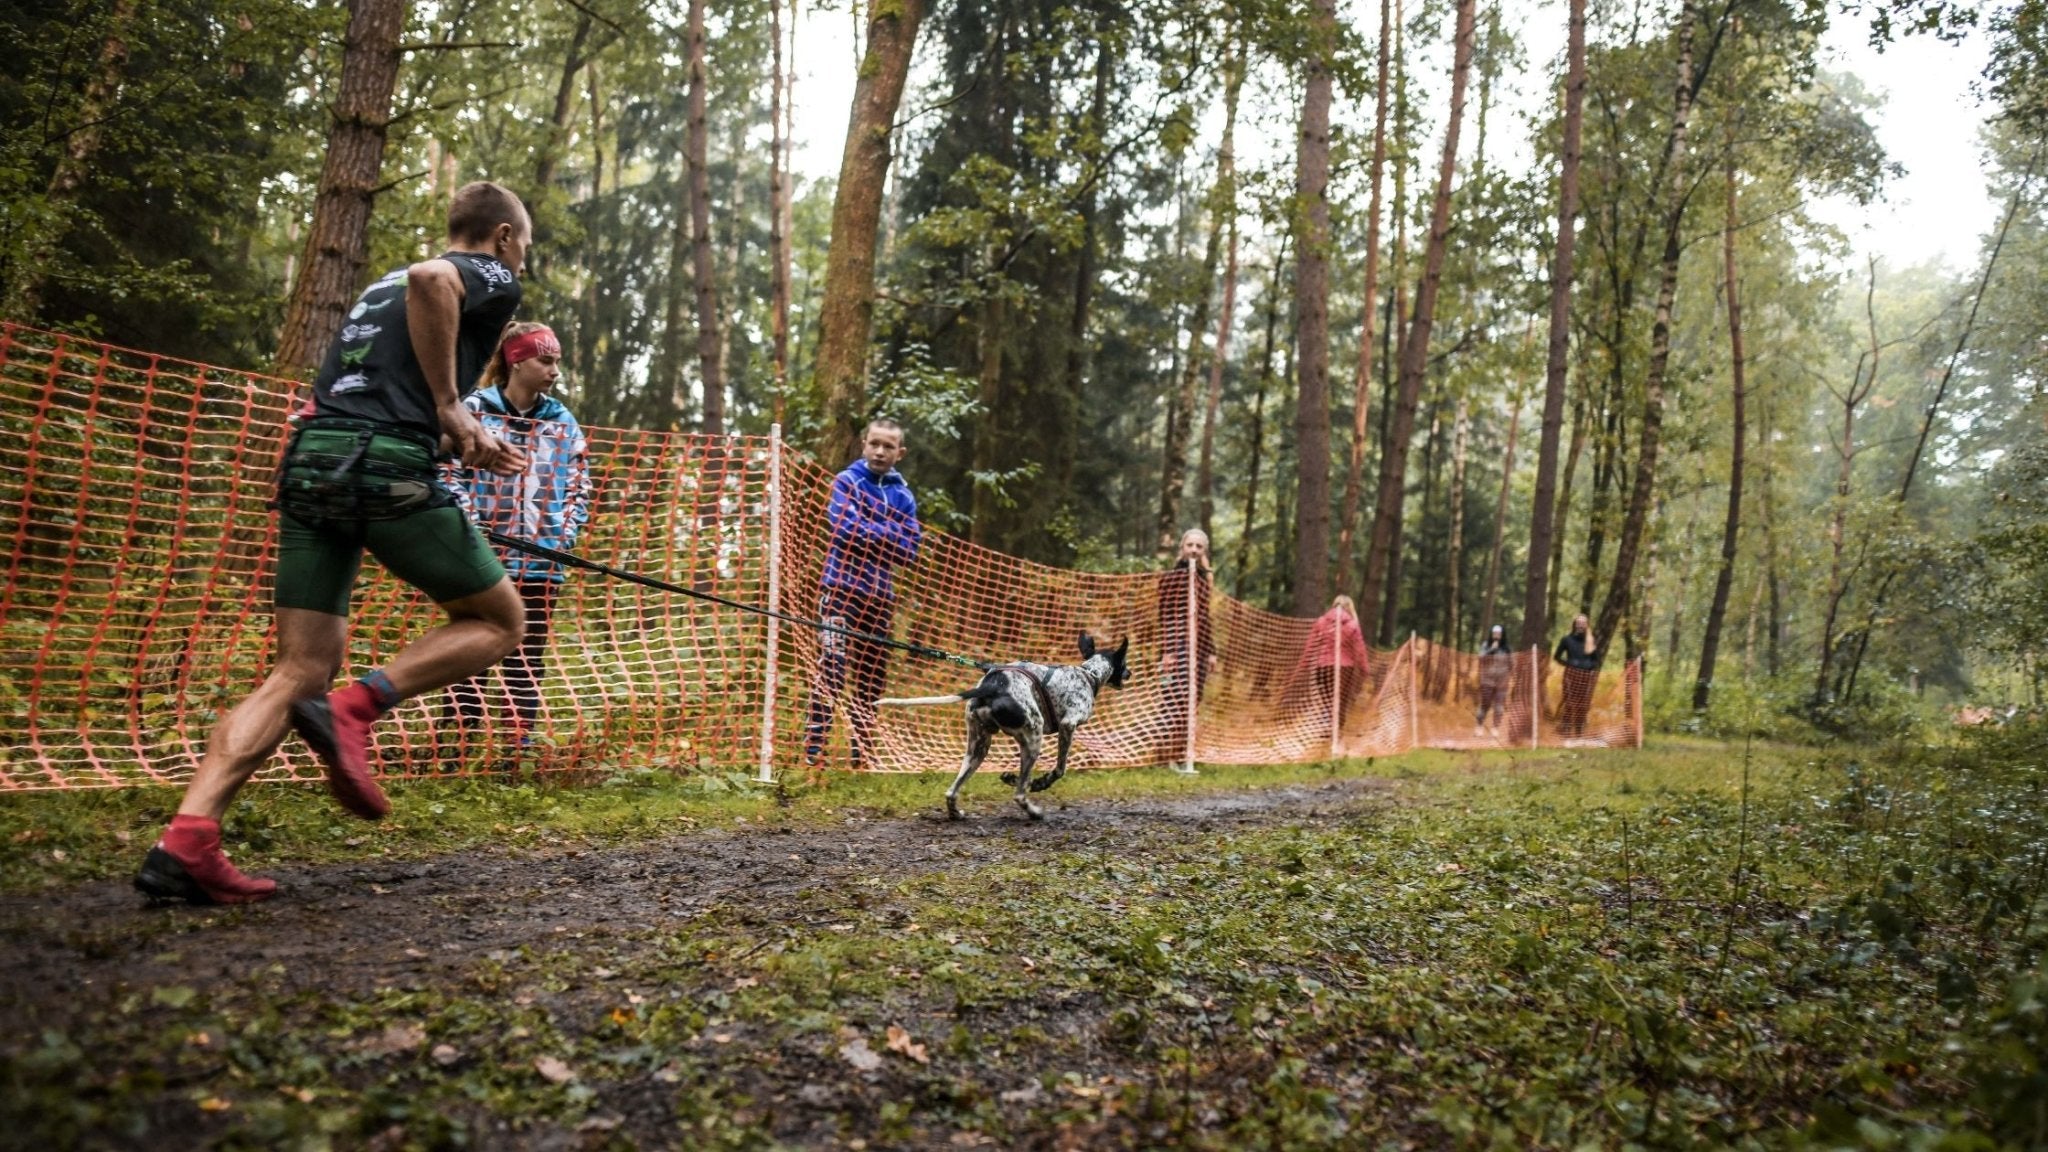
[459, 479]
[433, 314]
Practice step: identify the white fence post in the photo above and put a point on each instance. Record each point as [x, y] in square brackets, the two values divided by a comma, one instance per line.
[767, 773]
[1194, 653]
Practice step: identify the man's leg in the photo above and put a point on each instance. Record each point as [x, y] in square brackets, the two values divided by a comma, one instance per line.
[869, 670]
[441, 553]
[187, 863]
[828, 680]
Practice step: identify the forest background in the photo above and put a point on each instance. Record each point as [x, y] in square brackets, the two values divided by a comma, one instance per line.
[1478, 313]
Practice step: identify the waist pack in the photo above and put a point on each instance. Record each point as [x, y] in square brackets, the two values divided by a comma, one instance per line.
[339, 469]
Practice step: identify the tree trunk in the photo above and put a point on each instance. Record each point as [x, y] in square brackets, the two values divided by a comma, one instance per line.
[1536, 589]
[1860, 387]
[1173, 473]
[25, 296]
[1615, 609]
[1500, 525]
[565, 103]
[1561, 520]
[1361, 382]
[1731, 531]
[1072, 405]
[1415, 354]
[778, 200]
[708, 358]
[847, 312]
[1454, 562]
[338, 241]
[670, 380]
[1242, 584]
[1205, 474]
[1312, 332]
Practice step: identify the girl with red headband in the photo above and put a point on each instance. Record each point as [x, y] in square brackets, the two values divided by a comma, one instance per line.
[548, 503]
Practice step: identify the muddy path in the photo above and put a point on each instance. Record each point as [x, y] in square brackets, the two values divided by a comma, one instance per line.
[70, 958]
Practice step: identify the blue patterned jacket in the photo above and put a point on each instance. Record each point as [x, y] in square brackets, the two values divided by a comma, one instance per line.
[549, 503]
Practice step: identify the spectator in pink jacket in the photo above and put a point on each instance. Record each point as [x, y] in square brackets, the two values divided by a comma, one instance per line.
[1335, 641]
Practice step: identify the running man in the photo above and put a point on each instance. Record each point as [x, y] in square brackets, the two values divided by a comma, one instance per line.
[360, 475]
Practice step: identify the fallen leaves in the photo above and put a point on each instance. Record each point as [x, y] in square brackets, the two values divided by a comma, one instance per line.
[901, 1043]
[393, 1040]
[553, 1070]
[857, 1053]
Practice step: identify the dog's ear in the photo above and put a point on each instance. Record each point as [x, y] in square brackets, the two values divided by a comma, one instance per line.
[1123, 650]
[1087, 646]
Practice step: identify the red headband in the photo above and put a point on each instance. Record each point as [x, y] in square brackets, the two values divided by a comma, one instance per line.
[527, 345]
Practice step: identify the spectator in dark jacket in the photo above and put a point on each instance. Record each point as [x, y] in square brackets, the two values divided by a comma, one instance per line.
[1189, 577]
[873, 519]
[1580, 654]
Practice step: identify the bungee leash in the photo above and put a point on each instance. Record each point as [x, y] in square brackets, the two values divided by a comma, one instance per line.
[571, 560]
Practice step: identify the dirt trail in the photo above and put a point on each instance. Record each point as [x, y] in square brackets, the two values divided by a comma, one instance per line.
[66, 955]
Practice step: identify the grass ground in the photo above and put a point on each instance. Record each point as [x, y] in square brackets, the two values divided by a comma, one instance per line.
[1688, 946]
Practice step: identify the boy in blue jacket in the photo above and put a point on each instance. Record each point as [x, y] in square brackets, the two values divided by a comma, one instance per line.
[874, 527]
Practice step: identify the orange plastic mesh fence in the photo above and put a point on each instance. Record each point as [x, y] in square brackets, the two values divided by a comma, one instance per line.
[134, 497]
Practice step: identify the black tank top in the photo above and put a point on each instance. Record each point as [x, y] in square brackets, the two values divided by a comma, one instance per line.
[371, 373]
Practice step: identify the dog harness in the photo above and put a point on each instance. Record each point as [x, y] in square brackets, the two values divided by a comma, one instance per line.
[1041, 693]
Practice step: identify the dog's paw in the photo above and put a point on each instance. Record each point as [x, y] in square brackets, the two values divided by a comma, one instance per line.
[1010, 778]
[1041, 783]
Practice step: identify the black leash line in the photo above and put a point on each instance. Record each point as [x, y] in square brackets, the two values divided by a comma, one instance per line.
[571, 560]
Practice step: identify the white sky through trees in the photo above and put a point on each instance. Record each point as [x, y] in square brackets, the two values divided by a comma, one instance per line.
[1929, 123]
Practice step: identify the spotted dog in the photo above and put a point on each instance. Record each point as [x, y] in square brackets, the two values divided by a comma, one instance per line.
[1031, 702]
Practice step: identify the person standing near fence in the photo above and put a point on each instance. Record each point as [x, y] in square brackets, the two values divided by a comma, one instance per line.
[1495, 665]
[1580, 654]
[874, 530]
[1190, 575]
[1335, 642]
[548, 504]
[360, 474]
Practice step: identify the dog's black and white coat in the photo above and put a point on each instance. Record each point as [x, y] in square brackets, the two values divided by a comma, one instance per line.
[1008, 700]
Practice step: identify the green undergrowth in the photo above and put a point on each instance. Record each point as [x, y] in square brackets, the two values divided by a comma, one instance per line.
[1694, 946]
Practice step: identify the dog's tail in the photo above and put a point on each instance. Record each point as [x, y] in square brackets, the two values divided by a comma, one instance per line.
[982, 691]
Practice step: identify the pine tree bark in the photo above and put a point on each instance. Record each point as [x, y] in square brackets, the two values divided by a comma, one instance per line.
[1241, 587]
[338, 240]
[1500, 521]
[1614, 610]
[778, 201]
[1361, 382]
[1173, 473]
[1731, 531]
[565, 103]
[1072, 405]
[1312, 304]
[1542, 522]
[1860, 387]
[1454, 562]
[846, 314]
[708, 358]
[1379, 591]
[1205, 473]
[25, 296]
